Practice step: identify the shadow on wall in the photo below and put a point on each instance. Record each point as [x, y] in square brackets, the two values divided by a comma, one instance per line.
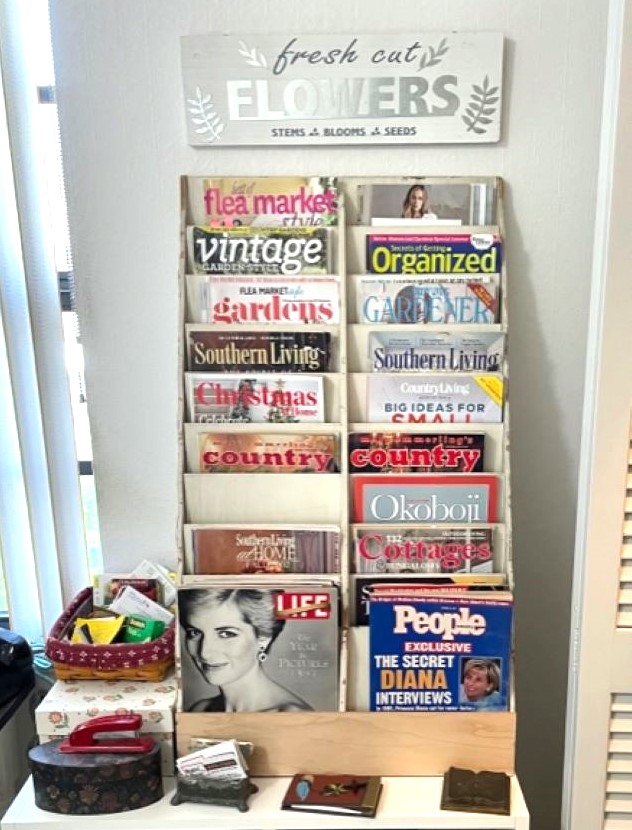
[544, 459]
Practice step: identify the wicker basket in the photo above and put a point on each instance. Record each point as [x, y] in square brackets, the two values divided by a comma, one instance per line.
[117, 661]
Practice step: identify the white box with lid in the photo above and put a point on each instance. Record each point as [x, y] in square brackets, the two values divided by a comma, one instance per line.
[71, 703]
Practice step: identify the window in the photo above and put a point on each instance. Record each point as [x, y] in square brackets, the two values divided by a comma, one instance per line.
[48, 517]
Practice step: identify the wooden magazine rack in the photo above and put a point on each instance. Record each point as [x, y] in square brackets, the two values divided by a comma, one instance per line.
[359, 741]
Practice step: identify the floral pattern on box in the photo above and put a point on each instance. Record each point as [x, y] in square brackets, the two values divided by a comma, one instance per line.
[70, 703]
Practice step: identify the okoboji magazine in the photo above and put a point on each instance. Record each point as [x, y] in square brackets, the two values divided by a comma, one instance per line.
[440, 653]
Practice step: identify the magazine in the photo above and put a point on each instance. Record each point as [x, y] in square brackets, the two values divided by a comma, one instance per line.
[267, 201]
[259, 648]
[251, 298]
[365, 586]
[273, 399]
[435, 351]
[422, 202]
[256, 452]
[247, 250]
[425, 498]
[261, 351]
[449, 254]
[420, 399]
[440, 653]
[411, 300]
[256, 549]
[393, 549]
[411, 452]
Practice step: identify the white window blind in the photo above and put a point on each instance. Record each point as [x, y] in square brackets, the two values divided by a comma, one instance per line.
[41, 525]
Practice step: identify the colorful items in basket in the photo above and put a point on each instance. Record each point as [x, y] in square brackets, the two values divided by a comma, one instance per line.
[85, 774]
[113, 628]
[132, 658]
[132, 617]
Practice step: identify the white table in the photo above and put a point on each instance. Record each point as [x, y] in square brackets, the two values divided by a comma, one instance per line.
[405, 804]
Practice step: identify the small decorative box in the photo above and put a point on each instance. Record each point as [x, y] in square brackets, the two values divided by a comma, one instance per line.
[70, 703]
[87, 774]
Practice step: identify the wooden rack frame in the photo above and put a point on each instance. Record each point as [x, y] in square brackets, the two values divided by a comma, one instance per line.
[325, 742]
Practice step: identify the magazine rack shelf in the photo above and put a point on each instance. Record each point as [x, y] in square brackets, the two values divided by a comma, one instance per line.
[399, 744]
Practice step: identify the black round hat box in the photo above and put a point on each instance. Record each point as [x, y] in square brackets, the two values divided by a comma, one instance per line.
[89, 784]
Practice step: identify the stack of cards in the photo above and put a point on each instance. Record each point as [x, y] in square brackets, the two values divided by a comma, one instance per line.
[224, 762]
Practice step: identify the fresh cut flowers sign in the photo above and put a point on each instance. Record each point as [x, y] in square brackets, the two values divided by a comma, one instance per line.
[427, 88]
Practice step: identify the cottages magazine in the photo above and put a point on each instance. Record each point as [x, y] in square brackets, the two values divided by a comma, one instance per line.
[392, 549]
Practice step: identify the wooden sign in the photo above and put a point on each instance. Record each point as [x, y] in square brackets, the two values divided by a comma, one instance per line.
[432, 88]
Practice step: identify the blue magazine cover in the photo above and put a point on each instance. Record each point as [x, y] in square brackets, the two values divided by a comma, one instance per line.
[439, 654]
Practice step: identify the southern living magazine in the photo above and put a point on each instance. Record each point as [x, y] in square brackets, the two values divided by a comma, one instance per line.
[256, 549]
[410, 452]
[365, 586]
[250, 452]
[247, 250]
[261, 351]
[422, 202]
[243, 399]
[252, 298]
[393, 549]
[406, 300]
[259, 648]
[454, 255]
[267, 201]
[420, 399]
[431, 654]
[425, 498]
[435, 351]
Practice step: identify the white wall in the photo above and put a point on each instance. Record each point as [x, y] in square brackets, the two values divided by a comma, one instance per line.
[118, 82]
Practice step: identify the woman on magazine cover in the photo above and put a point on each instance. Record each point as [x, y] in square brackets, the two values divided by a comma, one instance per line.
[415, 204]
[228, 634]
[481, 684]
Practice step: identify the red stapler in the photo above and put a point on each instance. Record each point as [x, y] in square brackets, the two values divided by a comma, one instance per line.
[82, 738]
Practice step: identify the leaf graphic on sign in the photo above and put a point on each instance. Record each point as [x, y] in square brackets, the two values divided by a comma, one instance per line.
[252, 57]
[479, 112]
[207, 121]
[433, 56]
